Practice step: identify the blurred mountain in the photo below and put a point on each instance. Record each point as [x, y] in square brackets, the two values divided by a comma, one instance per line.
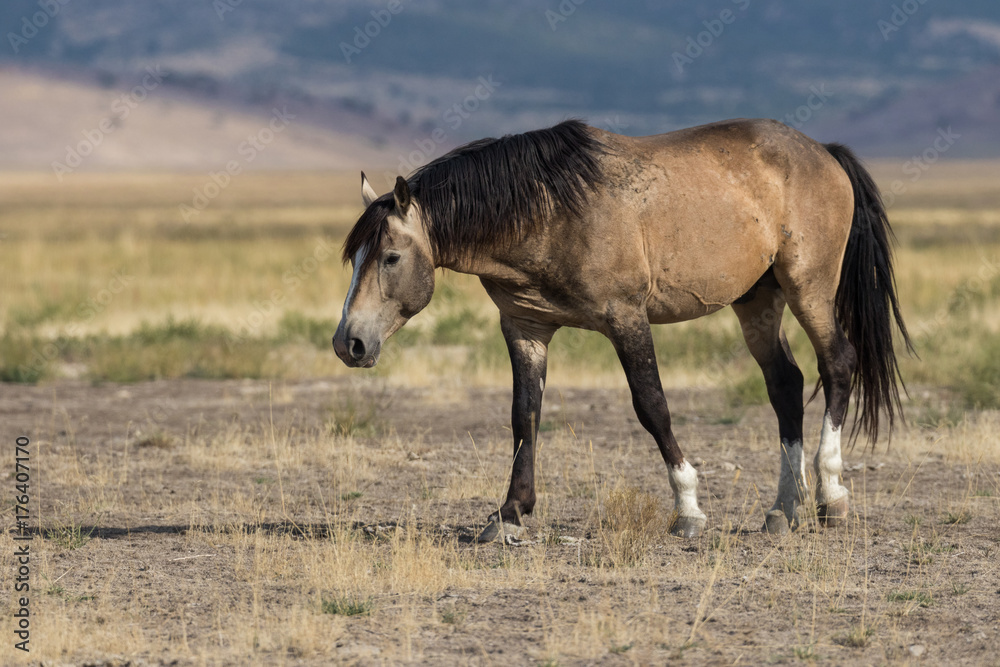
[397, 82]
[52, 123]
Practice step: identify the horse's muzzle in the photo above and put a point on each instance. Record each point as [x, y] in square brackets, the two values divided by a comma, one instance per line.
[355, 353]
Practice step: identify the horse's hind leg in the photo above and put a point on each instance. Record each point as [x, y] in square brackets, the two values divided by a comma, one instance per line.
[837, 360]
[760, 319]
[633, 340]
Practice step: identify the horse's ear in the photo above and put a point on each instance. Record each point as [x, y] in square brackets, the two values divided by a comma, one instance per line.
[367, 192]
[402, 195]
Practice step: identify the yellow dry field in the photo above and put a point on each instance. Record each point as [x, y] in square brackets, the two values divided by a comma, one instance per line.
[210, 486]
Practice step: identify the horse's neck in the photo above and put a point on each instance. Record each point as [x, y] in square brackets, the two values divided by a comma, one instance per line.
[486, 267]
[519, 263]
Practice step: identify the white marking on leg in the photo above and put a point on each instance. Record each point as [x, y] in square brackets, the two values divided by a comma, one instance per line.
[541, 384]
[359, 259]
[684, 482]
[828, 465]
[792, 485]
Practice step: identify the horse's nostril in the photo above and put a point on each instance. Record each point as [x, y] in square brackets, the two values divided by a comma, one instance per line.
[357, 349]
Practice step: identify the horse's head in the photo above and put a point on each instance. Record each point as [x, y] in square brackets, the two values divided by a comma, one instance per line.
[393, 273]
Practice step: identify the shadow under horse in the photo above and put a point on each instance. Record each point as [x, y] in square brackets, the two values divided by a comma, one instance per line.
[573, 226]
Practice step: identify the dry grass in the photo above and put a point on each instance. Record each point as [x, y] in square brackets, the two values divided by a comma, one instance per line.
[633, 521]
[287, 550]
[285, 564]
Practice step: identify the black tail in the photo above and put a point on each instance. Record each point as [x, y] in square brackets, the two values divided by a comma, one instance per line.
[866, 300]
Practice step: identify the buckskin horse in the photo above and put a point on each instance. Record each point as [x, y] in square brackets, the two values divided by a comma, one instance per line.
[573, 226]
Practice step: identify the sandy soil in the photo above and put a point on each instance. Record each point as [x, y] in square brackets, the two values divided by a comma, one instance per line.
[913, 578]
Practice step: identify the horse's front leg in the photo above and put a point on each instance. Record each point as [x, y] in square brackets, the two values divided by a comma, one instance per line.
[528, 347]
[633, 340]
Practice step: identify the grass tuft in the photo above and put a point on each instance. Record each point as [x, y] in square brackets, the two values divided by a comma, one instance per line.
[956, 518]
[452, 616]
[157, 440]
[806, 652]
[69, 537]
[858, 636]
[347, 606]
[923, 599]
[633, 521]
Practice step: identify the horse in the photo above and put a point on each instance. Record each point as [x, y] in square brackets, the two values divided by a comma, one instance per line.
[574, 226]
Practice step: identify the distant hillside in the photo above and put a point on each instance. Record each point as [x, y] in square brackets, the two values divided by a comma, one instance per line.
[419, 77]
[58, 125]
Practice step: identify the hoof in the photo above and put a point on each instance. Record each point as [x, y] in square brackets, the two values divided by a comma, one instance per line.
[687, 526]
[775, 523]
[834, 513]
[502, 531]
[802, 516]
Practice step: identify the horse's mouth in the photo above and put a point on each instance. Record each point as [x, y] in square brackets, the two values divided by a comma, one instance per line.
[365, 362]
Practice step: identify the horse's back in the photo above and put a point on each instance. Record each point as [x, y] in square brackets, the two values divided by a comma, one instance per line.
[717, 205]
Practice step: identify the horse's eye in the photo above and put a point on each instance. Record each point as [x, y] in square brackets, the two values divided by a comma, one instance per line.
[391, 259]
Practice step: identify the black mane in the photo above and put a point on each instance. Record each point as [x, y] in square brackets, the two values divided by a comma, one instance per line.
[492, 192]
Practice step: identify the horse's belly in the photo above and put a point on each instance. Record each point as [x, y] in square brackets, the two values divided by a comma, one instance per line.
[679, 309]
[670, 302]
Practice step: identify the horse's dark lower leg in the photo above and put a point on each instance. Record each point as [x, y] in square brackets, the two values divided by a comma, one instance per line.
[633, 341]
[528, 355]
[529, 380]
[836, 368]
[837, 360]
[760, 320]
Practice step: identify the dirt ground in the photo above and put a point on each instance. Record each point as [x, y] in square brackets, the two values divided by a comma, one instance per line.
[208, 522]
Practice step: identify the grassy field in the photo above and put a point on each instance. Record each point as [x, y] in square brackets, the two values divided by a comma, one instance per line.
[106, 280]
[260, 503]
